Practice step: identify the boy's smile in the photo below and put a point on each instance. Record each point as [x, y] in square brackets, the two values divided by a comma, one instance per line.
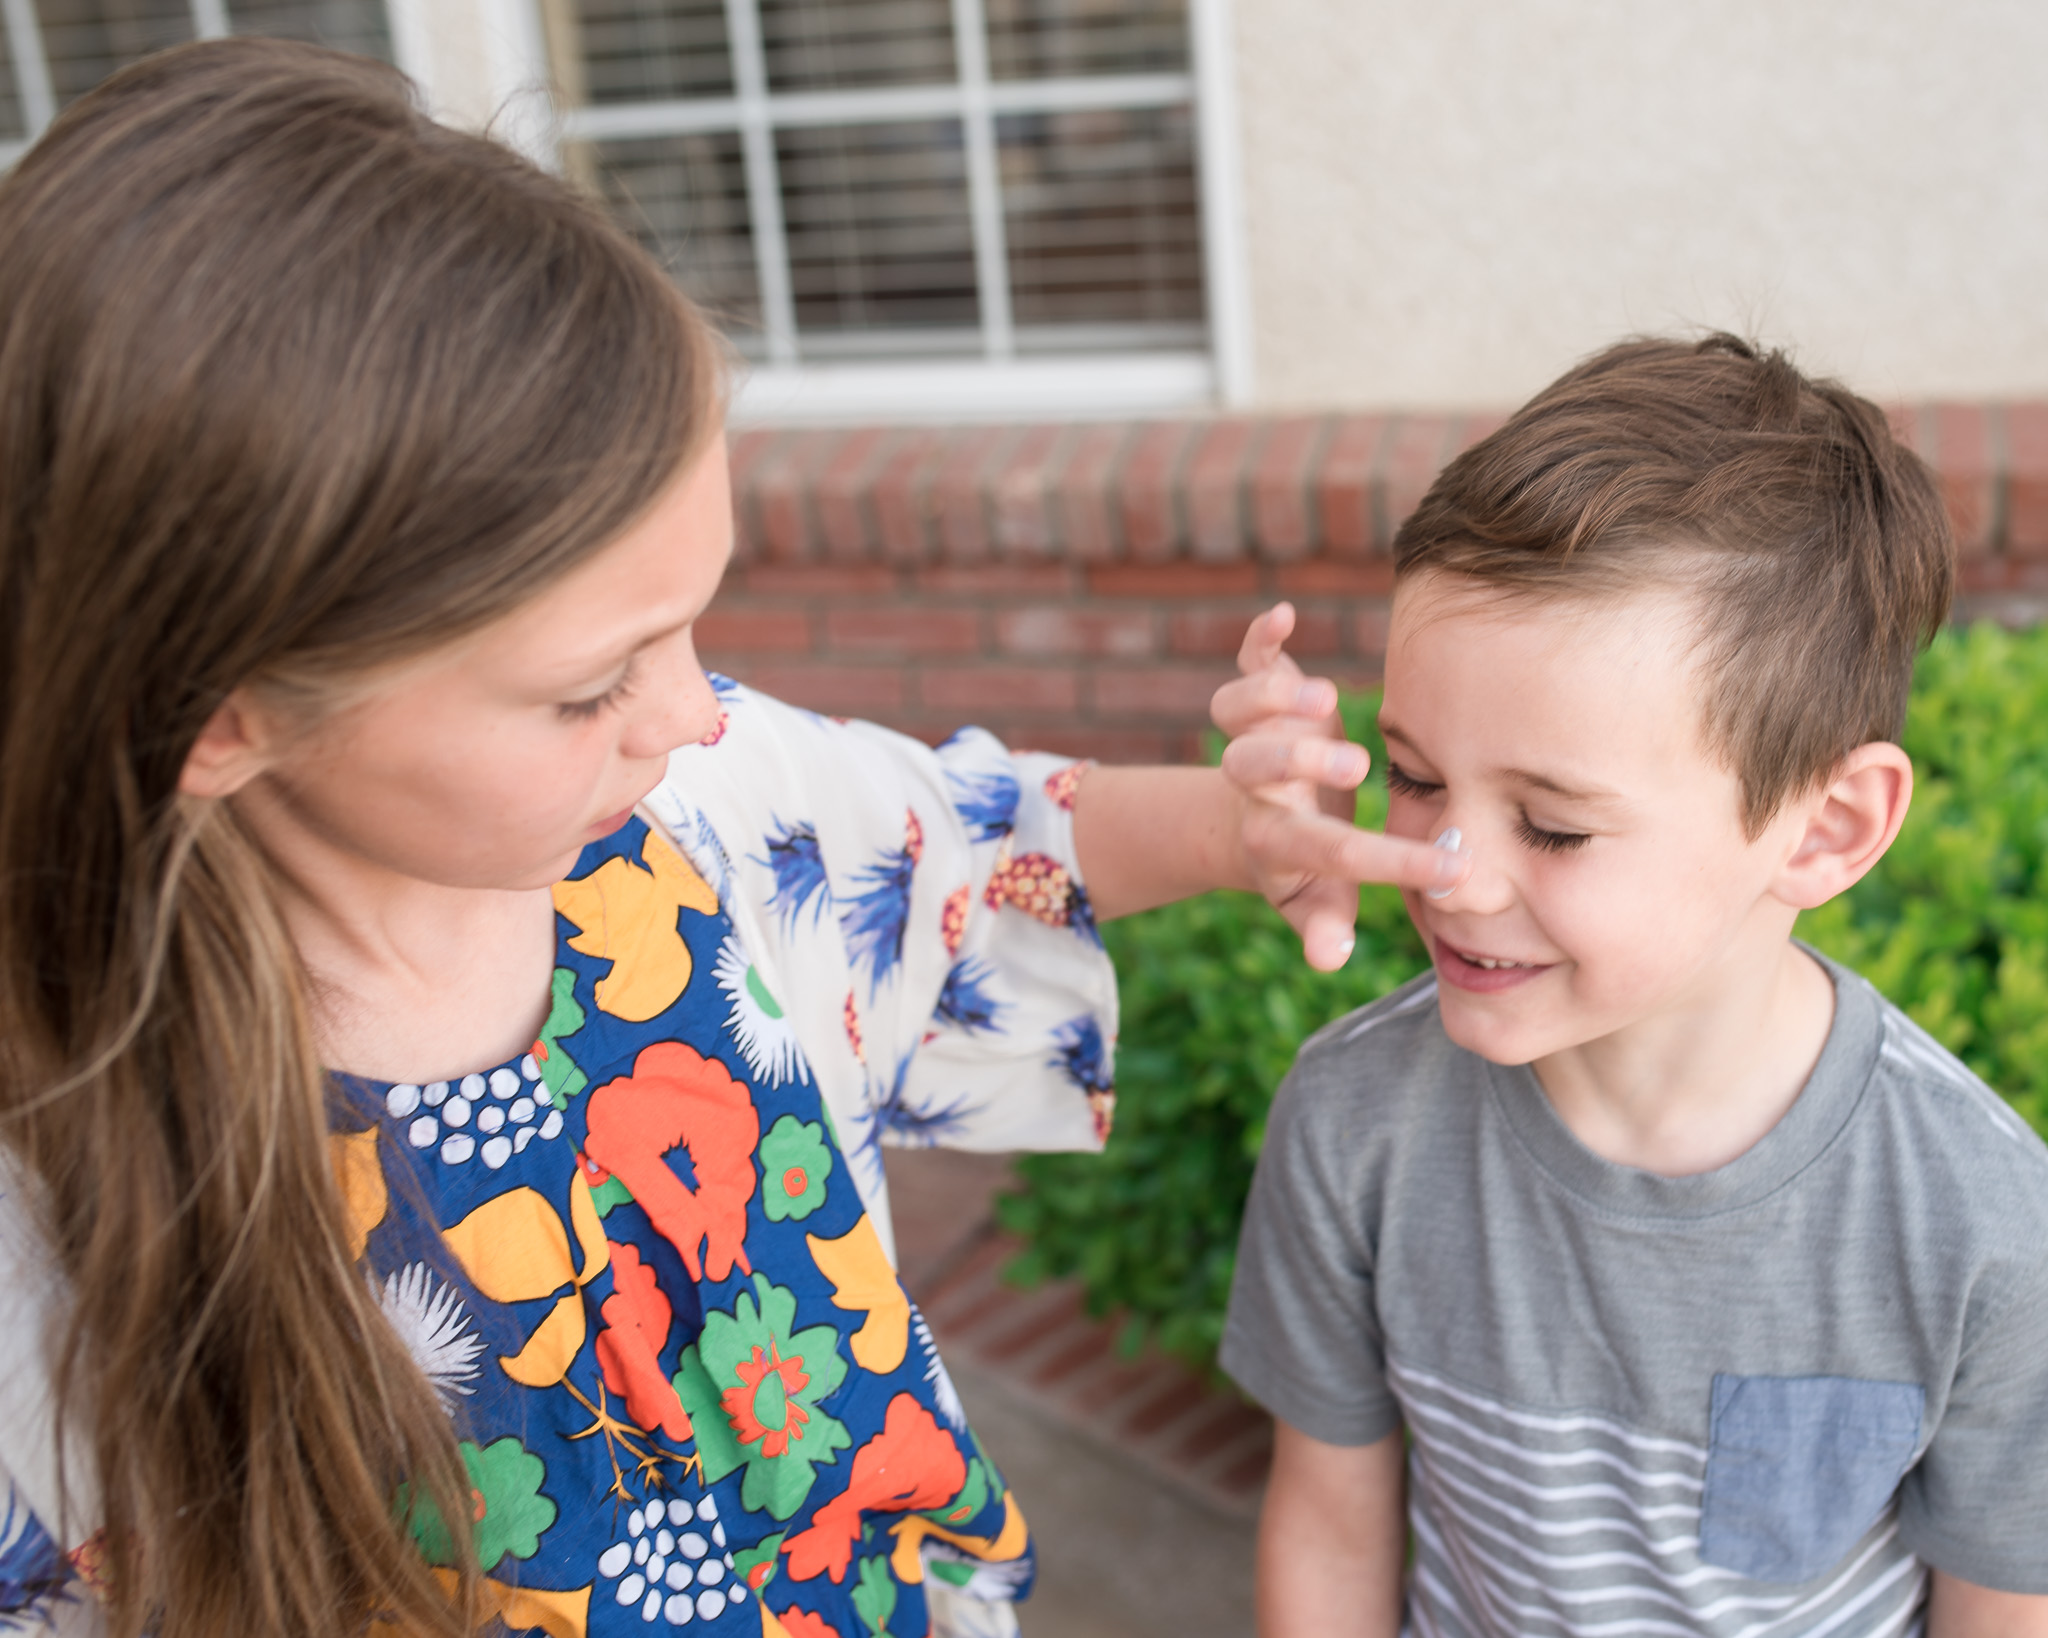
[1619, 930]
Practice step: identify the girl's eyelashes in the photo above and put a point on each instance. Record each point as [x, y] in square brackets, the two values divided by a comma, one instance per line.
[584, 710]
[1550, 841]
[1402, 783]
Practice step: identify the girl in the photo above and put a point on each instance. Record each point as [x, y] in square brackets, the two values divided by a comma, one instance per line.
[440, 1176]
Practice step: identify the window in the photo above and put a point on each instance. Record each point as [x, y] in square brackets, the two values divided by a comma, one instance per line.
[925, 206]
[54, 50]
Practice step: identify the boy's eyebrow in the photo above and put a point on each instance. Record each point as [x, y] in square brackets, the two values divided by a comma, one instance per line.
[1571, 793]
[1391, 732]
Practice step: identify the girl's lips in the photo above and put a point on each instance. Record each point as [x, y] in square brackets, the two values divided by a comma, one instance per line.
[1459, 972]
[604, 827]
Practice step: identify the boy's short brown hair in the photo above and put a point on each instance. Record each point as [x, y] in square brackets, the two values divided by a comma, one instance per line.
[1815, 541]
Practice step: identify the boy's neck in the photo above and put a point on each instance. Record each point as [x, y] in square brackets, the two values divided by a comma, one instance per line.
[1693, 1088]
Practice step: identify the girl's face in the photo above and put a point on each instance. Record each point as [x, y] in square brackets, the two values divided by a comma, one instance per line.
[491, 763]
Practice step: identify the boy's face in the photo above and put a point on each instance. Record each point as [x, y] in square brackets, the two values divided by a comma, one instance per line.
[1612, 881]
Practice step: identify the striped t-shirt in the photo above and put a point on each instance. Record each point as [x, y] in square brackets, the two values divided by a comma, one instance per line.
[1757, 1401]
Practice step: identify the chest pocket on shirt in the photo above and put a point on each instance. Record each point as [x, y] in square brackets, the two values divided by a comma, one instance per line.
[1800, 1467]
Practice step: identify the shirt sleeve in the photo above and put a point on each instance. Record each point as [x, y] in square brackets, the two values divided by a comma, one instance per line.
[1302, 1335]
[923, 914]
[1976, 1504]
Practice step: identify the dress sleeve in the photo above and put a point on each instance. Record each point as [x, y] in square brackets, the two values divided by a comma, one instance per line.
[43, 1587]
[919, 917]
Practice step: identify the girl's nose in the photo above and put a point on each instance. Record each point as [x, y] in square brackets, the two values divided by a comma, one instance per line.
[676, 705]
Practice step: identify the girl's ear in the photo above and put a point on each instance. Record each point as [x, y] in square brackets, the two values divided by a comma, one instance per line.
[1849, 824]
[232, 749]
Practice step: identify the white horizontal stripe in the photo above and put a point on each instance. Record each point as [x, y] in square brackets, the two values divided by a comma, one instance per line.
[1913, 1049]
[1625, 1524]
[1779, 1619]
[1632, 1589]
[1571, 1492]
[1568, 1422]
[1543, 1527]
[1870, 1593]
[1496, 1598]
[1728, 1603]
[1547, 1458]
[1421, 998]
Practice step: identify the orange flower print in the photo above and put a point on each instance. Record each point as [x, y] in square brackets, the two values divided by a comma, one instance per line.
[718, 728]
[800, 1623]
[636, 1322]
[853, 1029]
[676, 1099]
[953, 921]
[911, 1465]
[1043, 889]
[1060, 787]
[740, 1401]
[913, 836]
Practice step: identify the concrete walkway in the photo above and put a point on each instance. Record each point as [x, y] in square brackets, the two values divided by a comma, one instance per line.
[1133, 1541]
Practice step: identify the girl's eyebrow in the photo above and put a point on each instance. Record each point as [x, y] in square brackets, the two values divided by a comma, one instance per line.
[619, 657]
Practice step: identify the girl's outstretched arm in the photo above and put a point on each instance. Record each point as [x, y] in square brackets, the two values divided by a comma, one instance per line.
[1274, 819]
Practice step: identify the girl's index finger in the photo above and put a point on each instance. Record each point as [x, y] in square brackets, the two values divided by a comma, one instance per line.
[1263, 640]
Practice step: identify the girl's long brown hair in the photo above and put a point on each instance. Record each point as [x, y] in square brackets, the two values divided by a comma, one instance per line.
[292, 382]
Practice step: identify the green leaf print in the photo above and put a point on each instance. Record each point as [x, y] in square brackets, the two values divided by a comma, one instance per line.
[757, 1565]
[752, 1385]
[874, 1597]
[974, 1495]
[794, 1165]
[558, 1071]
[511, 1513]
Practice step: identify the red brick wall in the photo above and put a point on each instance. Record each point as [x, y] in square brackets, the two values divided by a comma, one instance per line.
[1084, 588]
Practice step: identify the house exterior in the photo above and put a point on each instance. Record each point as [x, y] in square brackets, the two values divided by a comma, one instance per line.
[1111, 319]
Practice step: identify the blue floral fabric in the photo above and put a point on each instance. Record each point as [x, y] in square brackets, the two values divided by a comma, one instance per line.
[648, 1263]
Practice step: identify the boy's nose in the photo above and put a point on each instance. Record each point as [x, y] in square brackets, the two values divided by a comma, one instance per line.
[1487, 888]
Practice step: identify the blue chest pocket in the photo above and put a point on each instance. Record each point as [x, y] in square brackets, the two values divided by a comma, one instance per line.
[1800, 1467]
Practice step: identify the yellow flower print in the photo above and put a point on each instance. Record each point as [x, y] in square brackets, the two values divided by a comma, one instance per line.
[626, 914]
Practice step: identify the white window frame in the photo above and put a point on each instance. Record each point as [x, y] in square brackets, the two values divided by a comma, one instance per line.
[35, 91]
[999, 384]
[485, 63]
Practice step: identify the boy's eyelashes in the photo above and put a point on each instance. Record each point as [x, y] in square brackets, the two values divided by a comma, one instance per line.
[1550, 841]
[1403, 783]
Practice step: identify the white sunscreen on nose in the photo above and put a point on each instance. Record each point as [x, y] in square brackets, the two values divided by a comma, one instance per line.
[1451, 841]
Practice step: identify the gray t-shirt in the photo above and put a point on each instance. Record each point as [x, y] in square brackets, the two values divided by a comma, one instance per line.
[1755, 1401]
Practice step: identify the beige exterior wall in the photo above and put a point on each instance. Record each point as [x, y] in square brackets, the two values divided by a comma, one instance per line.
[1447, 201]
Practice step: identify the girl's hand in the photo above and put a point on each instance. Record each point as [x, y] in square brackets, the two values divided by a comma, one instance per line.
[1296, 774]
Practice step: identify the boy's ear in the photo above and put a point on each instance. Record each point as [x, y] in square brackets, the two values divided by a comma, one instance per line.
[232, 749]
[1849, 824]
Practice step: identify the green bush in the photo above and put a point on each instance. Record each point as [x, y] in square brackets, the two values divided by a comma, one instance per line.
[1953, 926]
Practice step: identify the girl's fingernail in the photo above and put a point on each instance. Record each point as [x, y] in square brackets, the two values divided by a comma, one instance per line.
[1343, 762]
[1344, 950]
[1454, 866]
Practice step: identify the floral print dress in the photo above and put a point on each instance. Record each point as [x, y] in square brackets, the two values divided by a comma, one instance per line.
[648, 1263]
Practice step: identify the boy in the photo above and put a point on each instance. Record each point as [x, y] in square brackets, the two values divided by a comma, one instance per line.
[1711, 1294]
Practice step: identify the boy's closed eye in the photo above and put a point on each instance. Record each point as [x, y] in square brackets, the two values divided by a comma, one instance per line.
[1402, 783]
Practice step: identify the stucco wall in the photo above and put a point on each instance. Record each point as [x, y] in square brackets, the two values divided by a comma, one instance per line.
[1449, 200]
